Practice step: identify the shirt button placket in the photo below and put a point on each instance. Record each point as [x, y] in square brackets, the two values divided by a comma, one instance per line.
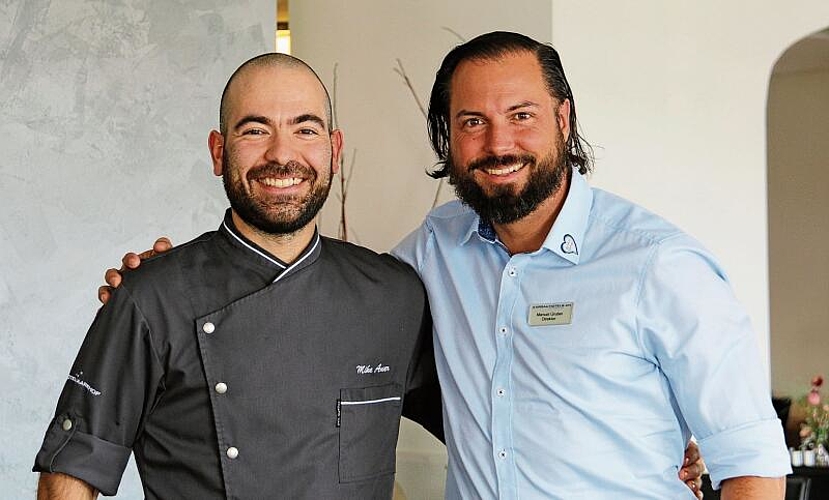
[501, 395]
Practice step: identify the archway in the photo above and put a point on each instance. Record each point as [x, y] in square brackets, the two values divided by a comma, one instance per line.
[798, 214]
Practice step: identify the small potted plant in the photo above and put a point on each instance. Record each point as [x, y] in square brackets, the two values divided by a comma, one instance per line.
[814, 431]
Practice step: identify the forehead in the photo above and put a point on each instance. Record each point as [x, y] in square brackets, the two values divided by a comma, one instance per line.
[481, 83]
[276, 90]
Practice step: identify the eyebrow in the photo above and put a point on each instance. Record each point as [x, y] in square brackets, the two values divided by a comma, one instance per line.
[308, 117]
[520, 105]
[264, 120]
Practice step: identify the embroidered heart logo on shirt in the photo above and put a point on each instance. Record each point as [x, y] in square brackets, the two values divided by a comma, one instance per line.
[569, 245]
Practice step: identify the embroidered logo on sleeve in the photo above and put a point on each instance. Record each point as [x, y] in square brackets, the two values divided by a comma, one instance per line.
[372, 369]
[569, 245]
[81, 382]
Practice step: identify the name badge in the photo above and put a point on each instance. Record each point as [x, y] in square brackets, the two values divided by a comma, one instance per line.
[551, 314]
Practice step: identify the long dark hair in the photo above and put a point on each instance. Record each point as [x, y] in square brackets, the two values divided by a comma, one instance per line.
[493, 46]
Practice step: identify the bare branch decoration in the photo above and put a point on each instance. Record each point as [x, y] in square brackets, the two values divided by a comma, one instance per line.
[345, 174]
[400, 70]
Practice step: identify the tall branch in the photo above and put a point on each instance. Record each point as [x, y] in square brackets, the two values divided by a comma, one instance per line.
[400, 70]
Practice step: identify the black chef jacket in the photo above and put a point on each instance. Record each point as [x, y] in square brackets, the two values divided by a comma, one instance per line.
[232, 375]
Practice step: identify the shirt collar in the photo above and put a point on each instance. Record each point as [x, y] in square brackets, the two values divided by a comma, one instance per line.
[237, 239]
[567, 234]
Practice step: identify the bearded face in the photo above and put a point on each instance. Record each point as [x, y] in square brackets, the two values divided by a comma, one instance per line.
[256, 198]
[506, 203]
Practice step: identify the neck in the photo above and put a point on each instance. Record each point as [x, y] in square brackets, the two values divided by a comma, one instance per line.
[528, 233]
[286, 247]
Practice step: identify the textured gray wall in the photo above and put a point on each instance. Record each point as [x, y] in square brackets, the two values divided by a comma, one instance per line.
[104, 112]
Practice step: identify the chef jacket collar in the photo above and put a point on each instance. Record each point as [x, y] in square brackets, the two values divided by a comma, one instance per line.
[237, 239]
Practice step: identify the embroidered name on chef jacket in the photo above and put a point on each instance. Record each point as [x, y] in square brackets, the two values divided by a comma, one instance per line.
[551, 314]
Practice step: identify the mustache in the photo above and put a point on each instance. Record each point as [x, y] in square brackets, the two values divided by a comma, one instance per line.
[495, 161]
[273, 169]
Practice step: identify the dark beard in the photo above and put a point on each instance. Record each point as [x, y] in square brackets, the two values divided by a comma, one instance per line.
[504, 206]
[278, 216]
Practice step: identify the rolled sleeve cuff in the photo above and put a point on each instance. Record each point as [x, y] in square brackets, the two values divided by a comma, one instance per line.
[756, 449]
[97, 462]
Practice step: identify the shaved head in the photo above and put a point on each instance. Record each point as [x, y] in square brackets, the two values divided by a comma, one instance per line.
[270, 60]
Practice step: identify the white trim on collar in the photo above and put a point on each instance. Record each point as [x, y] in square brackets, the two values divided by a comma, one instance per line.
[299, 261]
[253, 249]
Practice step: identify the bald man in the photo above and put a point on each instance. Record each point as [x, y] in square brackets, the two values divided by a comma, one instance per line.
[252, 361]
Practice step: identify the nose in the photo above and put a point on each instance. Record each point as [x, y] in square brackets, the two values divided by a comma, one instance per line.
[500, 138]
[280, 149]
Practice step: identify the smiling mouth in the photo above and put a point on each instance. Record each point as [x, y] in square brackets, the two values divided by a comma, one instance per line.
[280, 182]
[505, 170]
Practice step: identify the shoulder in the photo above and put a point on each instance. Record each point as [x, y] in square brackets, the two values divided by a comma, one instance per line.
[446, 223]
[366, 263]
[615, 214]
[165, 270]
[662, 246]
[450, 215]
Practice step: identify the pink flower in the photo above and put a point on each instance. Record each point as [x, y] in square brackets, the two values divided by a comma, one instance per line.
[813, 398]
[817, 380]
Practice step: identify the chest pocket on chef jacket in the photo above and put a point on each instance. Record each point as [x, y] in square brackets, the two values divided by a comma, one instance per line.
[369, 421]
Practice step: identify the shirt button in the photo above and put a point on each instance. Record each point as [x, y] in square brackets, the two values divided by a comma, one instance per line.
[66, 425]
[208, 327]
[232, 452]
[513, 272]
[503, 330]
[221, 388]
[500, 392]
[502, 454]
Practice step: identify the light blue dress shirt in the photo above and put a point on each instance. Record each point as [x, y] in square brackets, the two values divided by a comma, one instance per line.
[579, 371]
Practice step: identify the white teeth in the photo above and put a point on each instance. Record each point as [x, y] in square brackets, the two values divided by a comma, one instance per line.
[280, 183]
[504, 171]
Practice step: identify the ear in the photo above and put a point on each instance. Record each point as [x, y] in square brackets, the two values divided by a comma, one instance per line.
[336, 149]
[216, 144]
[563, 118]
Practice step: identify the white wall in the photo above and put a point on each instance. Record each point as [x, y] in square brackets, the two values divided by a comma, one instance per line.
[104, 117]
[798, 135]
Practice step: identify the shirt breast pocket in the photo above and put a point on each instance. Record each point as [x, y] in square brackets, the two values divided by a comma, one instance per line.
[369, 421]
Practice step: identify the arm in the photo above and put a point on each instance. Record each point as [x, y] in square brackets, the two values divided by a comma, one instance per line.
[702, 340]
[753, 488]
[130, 261]
[114, 382]
[59, 486]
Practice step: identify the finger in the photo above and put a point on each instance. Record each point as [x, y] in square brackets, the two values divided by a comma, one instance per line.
[131, 260]
[691, 472]
[691, 453]
[162, 244]
[695, 470]
[103, 294]
[112, 278]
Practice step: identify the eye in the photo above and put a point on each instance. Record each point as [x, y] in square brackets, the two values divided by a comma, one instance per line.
[522, 116]
[253, 131]
[472, 122]
[307, 131]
